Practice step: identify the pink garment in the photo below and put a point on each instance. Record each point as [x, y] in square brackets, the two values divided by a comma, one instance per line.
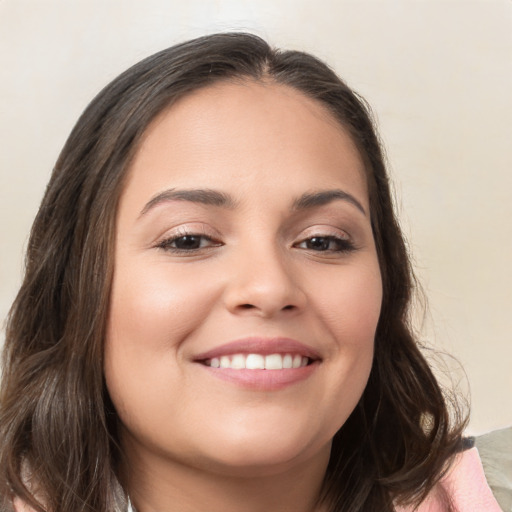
[466, 486]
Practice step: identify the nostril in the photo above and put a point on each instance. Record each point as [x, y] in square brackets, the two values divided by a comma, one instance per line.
[252, 306]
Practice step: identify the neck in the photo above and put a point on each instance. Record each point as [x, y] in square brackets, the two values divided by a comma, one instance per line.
[157, 484]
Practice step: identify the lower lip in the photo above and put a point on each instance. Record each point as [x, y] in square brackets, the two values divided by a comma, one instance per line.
[263, 380]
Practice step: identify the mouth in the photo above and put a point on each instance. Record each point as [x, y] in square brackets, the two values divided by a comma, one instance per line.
[259, 361]
[261, 364]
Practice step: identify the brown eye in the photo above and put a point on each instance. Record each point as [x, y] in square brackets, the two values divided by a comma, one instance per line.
[187, 243]
[319, 243]
[326, 244]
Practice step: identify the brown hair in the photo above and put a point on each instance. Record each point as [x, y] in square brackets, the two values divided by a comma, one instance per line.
[58, 427]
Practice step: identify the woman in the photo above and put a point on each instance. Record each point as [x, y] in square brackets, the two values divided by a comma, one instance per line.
[214, 312]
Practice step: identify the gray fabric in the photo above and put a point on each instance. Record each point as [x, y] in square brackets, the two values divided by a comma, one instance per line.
[495, 449]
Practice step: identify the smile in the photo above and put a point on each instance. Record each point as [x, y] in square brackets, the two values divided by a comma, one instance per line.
[259, 361]
[261, 364]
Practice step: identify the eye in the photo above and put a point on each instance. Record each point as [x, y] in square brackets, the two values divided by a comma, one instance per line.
[188, 242]
[327, 243]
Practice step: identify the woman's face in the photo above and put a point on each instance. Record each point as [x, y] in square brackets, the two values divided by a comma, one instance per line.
[246, 290]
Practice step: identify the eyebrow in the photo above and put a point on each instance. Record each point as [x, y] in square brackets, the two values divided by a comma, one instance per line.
[202, 196]
[323, 197]
[210, 197]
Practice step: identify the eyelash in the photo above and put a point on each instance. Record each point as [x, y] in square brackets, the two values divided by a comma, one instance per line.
[167, 244]
[343, 245]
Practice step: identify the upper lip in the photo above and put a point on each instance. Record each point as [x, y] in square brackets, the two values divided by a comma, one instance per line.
[263, 346]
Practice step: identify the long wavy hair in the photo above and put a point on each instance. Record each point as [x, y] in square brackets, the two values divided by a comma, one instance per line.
[59, 448]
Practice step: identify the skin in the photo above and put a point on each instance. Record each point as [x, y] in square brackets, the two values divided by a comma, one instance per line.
[194, 441]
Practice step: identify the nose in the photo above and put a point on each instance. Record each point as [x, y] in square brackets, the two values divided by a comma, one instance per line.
[264, 284]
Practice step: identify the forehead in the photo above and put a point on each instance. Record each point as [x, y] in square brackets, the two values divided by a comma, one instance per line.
[236, 134]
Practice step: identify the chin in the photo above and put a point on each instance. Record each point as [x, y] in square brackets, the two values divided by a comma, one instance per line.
[249, 464]
[266, 451]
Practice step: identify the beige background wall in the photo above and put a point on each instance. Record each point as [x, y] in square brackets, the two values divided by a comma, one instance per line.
[438, 74]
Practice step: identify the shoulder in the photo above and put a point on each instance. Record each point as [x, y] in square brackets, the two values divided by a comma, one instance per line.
[495, 449]
[465, 487]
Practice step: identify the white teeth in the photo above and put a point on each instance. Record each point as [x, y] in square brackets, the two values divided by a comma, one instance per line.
[255, 362]
[287, 361]
[259, 362]
[274, 362]
[225, 362]
[238, 361]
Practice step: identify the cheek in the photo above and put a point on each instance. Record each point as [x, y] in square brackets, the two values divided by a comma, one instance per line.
[151, 313]
[155, 309]
[350, 304]
[349, 307]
